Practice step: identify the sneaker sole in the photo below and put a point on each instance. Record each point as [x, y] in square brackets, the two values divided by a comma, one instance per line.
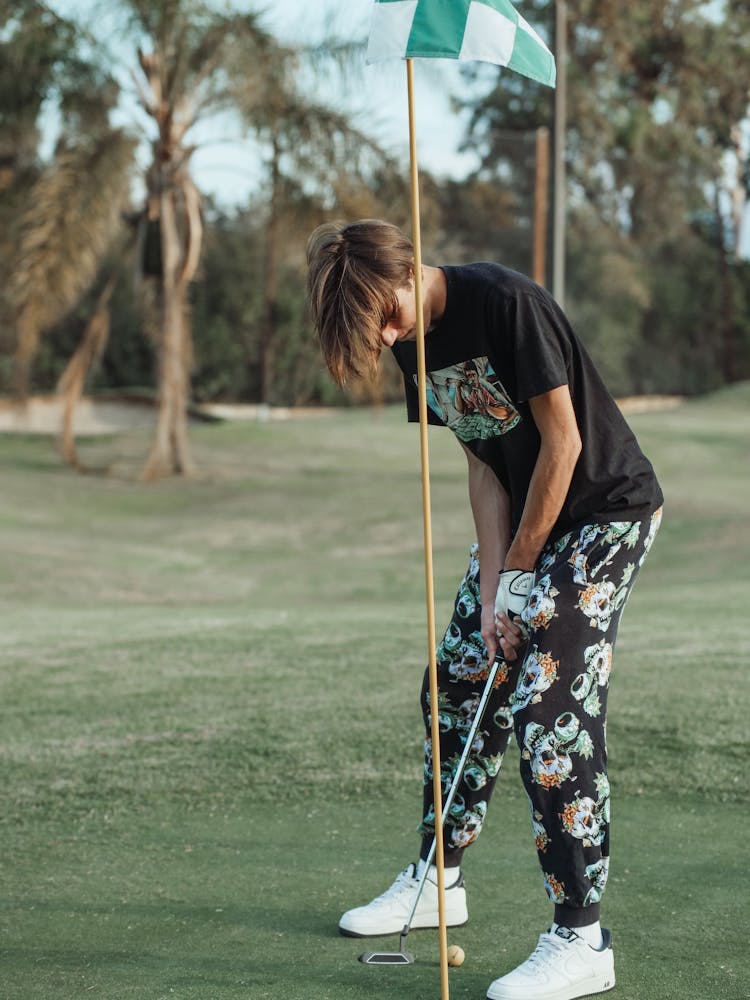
[344, 932]
[599, 984]
[592, 986]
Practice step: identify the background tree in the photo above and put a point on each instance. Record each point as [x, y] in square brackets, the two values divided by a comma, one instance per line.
[190, 61]
[654, 98]
[53, 227]
[316, 160]
[655, 282]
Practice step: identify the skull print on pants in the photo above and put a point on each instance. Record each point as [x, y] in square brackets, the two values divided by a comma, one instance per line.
[554, 697]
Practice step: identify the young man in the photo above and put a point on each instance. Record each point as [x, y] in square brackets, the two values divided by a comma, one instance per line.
[566, 507]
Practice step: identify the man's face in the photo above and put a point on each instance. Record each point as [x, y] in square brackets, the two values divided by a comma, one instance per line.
[402, 324]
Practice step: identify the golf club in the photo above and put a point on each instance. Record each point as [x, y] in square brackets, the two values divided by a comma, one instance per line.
[402, 957]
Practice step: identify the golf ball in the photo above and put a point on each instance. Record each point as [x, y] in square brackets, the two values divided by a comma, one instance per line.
[456, 955]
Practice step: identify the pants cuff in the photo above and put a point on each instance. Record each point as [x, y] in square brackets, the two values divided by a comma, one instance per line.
[451, 858]
[576, 916]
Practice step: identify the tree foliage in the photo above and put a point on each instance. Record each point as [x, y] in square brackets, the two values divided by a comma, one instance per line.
[190, 60]
[655, 98]
[42, 62]
[64, 230]
[654, 283]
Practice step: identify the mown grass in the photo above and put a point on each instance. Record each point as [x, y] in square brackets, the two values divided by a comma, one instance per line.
[210, 731]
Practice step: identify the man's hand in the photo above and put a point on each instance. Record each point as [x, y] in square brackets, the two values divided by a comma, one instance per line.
[500, 630]
[498, 625]
[513, 589]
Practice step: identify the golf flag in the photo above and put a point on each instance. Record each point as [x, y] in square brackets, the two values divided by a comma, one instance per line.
[487, 30]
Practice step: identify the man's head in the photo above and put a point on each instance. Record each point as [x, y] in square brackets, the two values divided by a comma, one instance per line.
[354, 273]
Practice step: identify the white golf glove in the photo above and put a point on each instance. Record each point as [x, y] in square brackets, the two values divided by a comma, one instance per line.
[513, 592]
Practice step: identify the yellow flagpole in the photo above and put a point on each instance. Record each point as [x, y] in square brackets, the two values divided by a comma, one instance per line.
[427, 515]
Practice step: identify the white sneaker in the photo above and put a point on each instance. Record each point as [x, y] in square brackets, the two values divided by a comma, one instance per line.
[561, 967]
[388, 913]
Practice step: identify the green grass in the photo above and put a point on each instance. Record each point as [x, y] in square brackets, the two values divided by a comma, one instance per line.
[211, 737]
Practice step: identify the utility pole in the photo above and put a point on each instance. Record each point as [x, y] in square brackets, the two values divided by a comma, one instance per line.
[539, 269]
[558, 238]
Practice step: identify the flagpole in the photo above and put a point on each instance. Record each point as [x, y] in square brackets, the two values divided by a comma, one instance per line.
[559, 182]
[427, 518]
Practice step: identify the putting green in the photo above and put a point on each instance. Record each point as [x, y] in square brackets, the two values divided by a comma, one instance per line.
[211, 738]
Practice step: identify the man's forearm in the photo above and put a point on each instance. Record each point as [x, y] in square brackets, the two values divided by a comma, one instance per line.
[548, 488]
[559, 448]
[489, 505]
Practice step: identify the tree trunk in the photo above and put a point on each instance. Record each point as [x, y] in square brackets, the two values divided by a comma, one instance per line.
[728, 355]
[270, 285]
[27, 345]
[170, 450]
[73, 379]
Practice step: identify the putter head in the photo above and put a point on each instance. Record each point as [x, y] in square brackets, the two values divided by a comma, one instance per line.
[400, 957]
[386, 958]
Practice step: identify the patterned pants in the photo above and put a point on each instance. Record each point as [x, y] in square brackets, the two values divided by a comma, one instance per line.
[554, 697]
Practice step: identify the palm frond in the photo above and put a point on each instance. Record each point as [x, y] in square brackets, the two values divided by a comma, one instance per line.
[72, 214]
[192, 53]
[236, 30]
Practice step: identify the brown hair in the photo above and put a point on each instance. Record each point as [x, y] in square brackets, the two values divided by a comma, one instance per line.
[353, 272]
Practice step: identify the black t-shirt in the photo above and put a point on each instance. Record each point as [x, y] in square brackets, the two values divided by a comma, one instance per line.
[502, 340]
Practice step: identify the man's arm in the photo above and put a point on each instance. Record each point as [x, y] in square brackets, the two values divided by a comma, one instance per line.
[490, 506]
[558, 453]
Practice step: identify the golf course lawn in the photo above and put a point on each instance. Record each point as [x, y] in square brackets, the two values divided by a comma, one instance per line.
[211, 737]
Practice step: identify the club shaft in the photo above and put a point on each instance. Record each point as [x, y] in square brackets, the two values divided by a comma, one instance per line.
[454, 785]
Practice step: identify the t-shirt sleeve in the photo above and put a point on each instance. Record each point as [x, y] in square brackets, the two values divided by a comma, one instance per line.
[540, 342]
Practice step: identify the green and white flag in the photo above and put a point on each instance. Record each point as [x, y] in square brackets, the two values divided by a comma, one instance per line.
[487, 30]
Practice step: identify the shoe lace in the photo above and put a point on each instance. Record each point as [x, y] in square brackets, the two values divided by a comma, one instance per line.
[546, 952]
[403, 883]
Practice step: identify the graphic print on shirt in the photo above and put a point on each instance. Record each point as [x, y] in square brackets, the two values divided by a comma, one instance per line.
[471, 400]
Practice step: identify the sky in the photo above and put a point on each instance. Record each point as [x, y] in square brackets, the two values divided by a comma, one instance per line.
[380, 101]
[228, 168]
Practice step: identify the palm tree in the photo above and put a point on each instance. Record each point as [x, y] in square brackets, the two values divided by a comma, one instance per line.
[53, 227]
[191, 61]
[196, 62]
[65, 229]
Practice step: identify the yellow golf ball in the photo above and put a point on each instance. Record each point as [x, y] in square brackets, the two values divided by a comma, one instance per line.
[456, 955]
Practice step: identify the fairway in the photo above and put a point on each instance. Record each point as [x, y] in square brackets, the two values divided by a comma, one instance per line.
[211, 730]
